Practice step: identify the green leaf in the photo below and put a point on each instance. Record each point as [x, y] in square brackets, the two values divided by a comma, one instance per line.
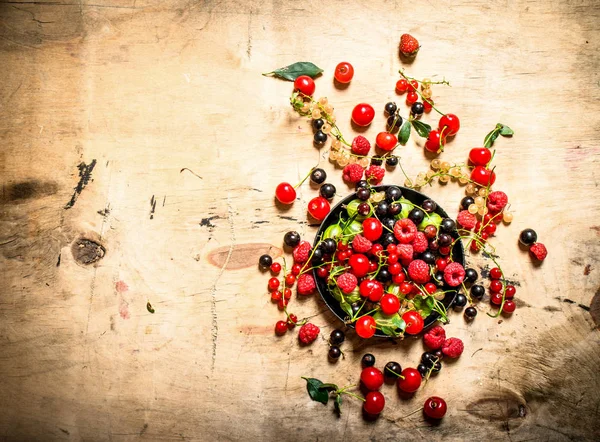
[346, 307]
[398, 322]
[404, 133]
[316, 394]
[338, 403]
[328, 387]
[506, 131]
[295, 70]
[490, 138]
[422, 129]
[422, 305]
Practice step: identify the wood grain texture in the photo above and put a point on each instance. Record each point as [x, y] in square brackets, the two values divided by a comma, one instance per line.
[148, 89]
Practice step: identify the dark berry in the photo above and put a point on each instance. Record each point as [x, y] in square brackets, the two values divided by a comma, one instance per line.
[362, 184]
[436, 367]
[471, 275]
[382, 209]
[459, 302]
[394, 122]
[363, 194]
[416, 215]
[391, 108]
[434, 245]
[265, 261]
[477, 291]
[329, 245]
[355, 309]
[428, 205]
[320, 137]
[387, 238]
[428, 256]
[392, 161]
[318, 176]
[466, 202]
[428, 359]
[392, 370]
[394, 209]
[337, 337]
[368, 360]
[438, 354]
[317, 254]
[388, 222]
[363, 209]
[444, 240]
[291, 238]
[528, 237]
[422, 369]
[376, 160]
[334, 352]
[318, 124]
[417, 108]
[384, 275]
[438, 278]
[447, 225]
[470, 312]
[393, 193]
[327, 191]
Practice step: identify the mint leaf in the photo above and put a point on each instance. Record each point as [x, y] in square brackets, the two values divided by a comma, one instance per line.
[295, 70]
[404, 133]
[506, 131]
[316, 394]
[422, 129]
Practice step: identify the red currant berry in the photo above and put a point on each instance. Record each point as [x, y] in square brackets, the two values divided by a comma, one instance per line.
[390, 304]
[273, 284]
[399, 278]
[391, 248]
[409, 381]
[480, 156]
[344, 72]
[490, 229]
[372, 266]
[401, 85]
[510, 291]
[496, 285]
[395, 268]
[444, 250]
[365, 326]
[427, 106]
[414, 322]
[406, 287]
[484, 236]
[386, 141]
[287, 294]
[413, 85]
[435, 407]
[478, 226]
[496, 273]
[393, 258]
[372, 230]
[341, 246]
[441, 264]
[319, 208]
[322, 272]
[374, 402]
[508, 307]
[292, 321]
[449, 124]
[430, 288]
[276, 296]
[430, 232]
[474, 246]
[285, 193]
[281, 328]
[290, 279]
[372, 378]
[296, 269]
[359, 264]
[482, 176]
[496, 298]
[377, 249]
[305, 84]
[282, 303]
[275, 268]
[363, 114]
[435, 142]
[411, 98]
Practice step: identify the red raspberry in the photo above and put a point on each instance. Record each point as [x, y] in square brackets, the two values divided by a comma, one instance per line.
[466, 219]
[347, 282]
[435, 337]
[539, 251]
[405, 231]
[302, 252]
[454, 274]
[360, 244]
[418, 270]
[353, 173]
[420, 243]
[496, 201]
[453, 347]
[405, 252]
[306, 284]
[374, 174]
[360, 146]
[308, 333]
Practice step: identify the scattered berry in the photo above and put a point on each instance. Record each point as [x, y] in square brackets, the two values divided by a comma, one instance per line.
[508, 307]
[470, 312]
[265, 261]
[291, 239]
[305, 84]
[363, 114]
[374, 402]
[435, 337]
[275, 268]
[386, 141]
[365, 326]
[372, 378]
[538, 250]
[318, 176]
[528, 237]
[409, 381]
[280, 328]
[497, 201]
[435, 407]
[337, 337]
[344, 72]
[414, 322]
[496, 273]
[308, 333]
[374, 174]
[392, 370]
[301, 252]
[360, 146]
[409, 46]
[306, 284]
[466, 219]
[368, 360]
[353, 173]
[327, 191]
[285, 193]
[449, 124]
[480, 156]
[334, 352]
[482, 176]
[273, 284]
[453, 348]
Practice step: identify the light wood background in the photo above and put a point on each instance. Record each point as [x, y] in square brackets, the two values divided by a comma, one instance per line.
[147, 88]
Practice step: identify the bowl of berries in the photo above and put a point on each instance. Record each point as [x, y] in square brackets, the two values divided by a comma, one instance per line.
[388, 261]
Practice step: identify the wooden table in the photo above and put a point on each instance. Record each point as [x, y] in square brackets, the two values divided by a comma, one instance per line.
[140, 152]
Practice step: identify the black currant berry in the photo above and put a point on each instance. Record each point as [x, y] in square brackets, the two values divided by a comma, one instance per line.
[389, 223]
[394, 122]
[327, 191]
[355, 309]
[391, 161]
[459, 302]
[334, 352]
[363, 209]
[528, 237]
[318, 176]
[428, 205]
[471, 275]
[317, 254]
[417, 108]
[265, 261]
[291, 238]
[393, 193]
[363, 194]
[444, 239]
[428, 256]
[391, 108]
[337, 337]
[387, 238]
[470, 312]
[318, 124]
[477, 291]
[448, 225]
[394, 209]
[438, 279]
[362, 184]
[416, 215]
[382, 209]
[320, 137]
[368, 360]
[376, 160]
[392, 370]
[329, 245]
[384, 275]
[466, 202]
[422, 369]
[428, 359]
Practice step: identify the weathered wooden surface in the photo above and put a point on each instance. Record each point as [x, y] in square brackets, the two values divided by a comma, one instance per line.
[144, 89]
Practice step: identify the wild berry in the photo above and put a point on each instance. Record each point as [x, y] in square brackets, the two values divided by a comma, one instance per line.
[391, 161]
[281, 328]
[374, 403]
[471, 275]
[291, 239]
[477, 291]
[265, 261]
[327, 191]
[318, 176]
[337, 337]
[539, 251]
[308, 333]
[392, 370]
[334, 352]
[368, 360]
[470, 312]
[459, 302]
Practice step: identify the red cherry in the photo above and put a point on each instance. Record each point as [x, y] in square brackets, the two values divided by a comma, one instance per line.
[411, 98]
[386, 141]
[365, 326]
[285, 193]
[372, 378]
[482, 176]
[372, 230]
[305, 84]
[371, 289]
[435, 407]
[374, 402]
[273, 284]
[401, 85]
[510, 291]
[449, 124]
[344, 72]
[414, 322]
[275, 268]
[480, 156]
[390, 304]
[280, 328]
[409, 381]
[359, 264]
[495, 273]
[508, 307]
[435, 142]
[319, 208]
[363, 114]
[496, 298]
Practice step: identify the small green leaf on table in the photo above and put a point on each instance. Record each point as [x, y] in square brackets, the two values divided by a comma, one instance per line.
[315, 392]
[422, 129]
[295, 70]
[404, 133]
